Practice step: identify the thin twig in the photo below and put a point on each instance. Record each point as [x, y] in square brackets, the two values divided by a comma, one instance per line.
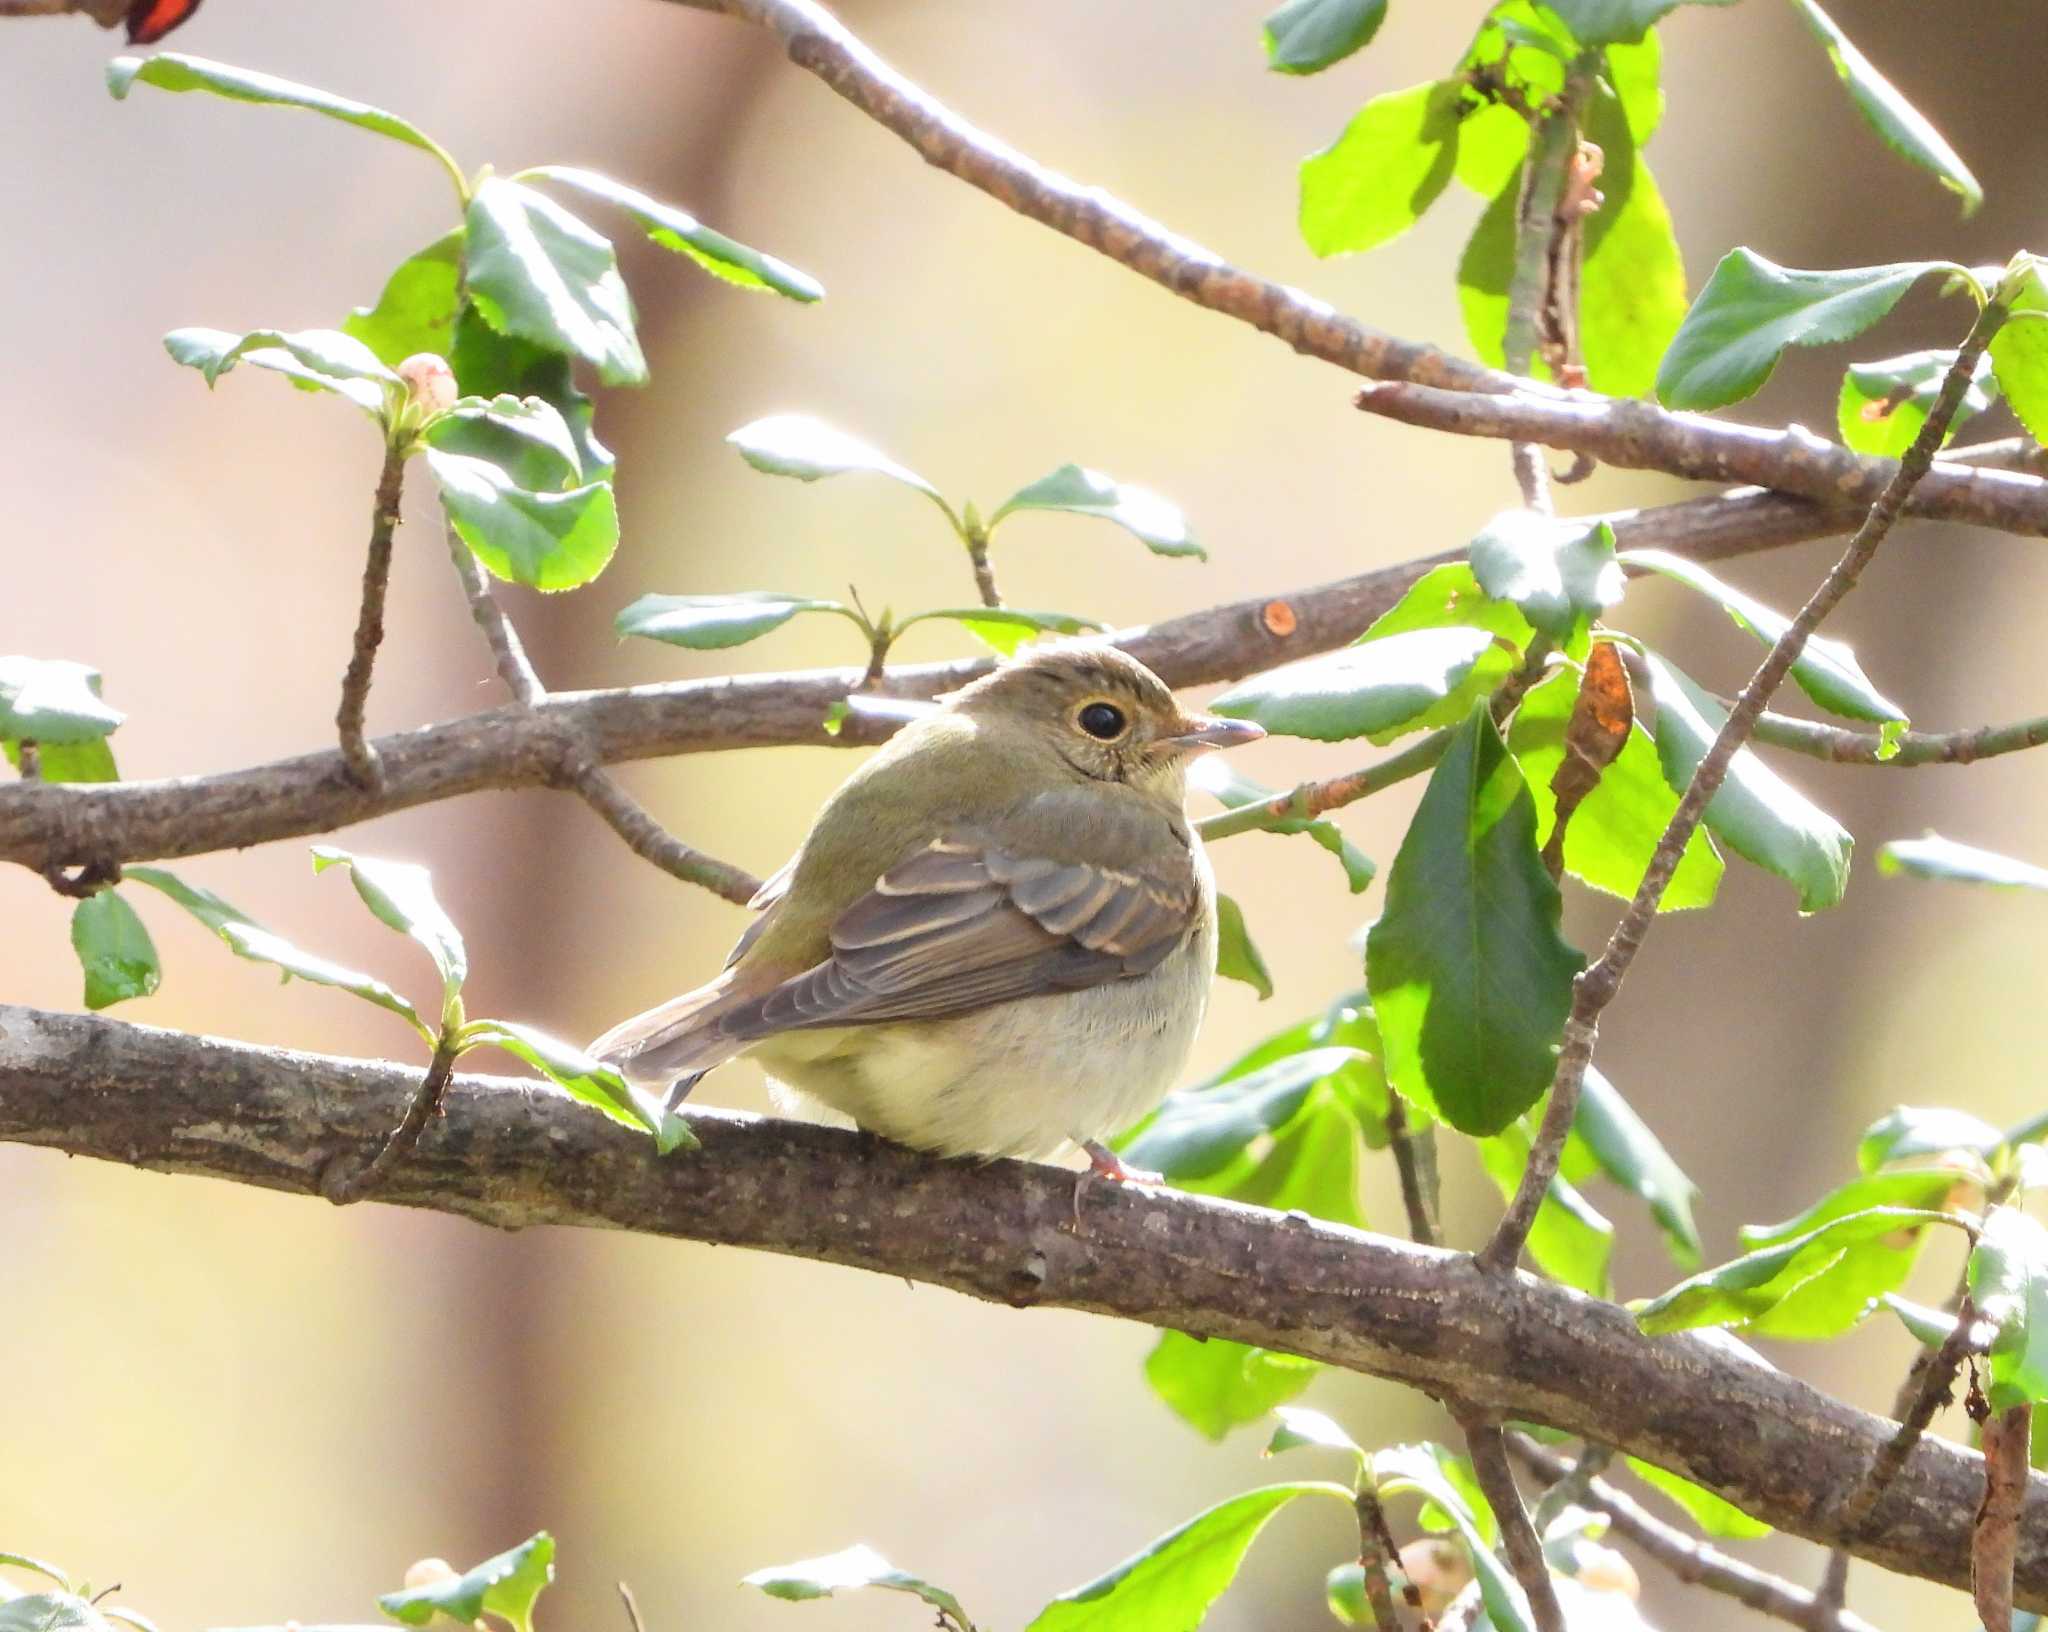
[984, 572]
[1692, 1561]
[1570, 1489]
[1995, 1541]
[632, 1608]
[1843, 746]
[107, 13]
[1415, 1161]
[622, 813]
[1313, 799]
[355, 684]
[1928, 1387]
[343, 1181]
[1488, 1448]
[1379, 1560]
[1595, 987]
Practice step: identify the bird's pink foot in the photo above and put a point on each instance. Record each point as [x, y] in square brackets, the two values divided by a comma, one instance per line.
[1104, 1163]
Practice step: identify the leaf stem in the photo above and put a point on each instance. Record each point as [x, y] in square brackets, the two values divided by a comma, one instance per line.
[1842, 746]
[1311, 799]
[1379, 1560]
[1596, 987]
[341, 1185]
[361, 758]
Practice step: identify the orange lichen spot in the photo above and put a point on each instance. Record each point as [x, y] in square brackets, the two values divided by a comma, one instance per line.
[1279, 619]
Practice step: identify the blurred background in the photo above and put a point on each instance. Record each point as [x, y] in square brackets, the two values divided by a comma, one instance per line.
[248, 1407]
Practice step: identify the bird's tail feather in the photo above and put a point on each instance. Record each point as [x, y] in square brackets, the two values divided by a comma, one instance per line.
[679, 1039]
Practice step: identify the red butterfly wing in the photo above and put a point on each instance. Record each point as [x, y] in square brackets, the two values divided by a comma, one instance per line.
[150, 20]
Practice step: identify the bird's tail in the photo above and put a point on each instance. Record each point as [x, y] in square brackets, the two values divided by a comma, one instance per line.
[681, 1038]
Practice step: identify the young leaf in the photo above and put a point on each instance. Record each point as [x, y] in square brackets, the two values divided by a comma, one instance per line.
[489, 364]
[2019, 353]
[1634, 1158]
[1571, 1241]
[1615, 830]
[115, 951]
[1561, 573]
[505, 1586]
[1884, 404]
[1237, 956]
[1634, 73]
[401, 895]
[1425, 1470]
[552, 541]
[1906, 131]
[1196, 1132]
[1231, 788]
[1301, 1428]
[849, 1571]
[248, 939]
[1930, 1327]
[1715, 1515]
[1752, 309]
[1827, 670]
[1153, 521]
[676, 229]
[710, 622]
[536, 272]
[585, 1079]
[174, 71]
[322, 359]
[2009, 1289]
[1756, 813]
[1375, 181]
[1607, 22]
[1216, 1385]
[67, 762]
[524, 437]
[1837, 1296]
[1377, 689]
[1448, 597]
[417, 309]
[1737, 1292]
[1306, 36]
[1952, 863]
[1632, 284]
[1470, 979]
[49, 700]
[1171, 1584]
[50, 1612]
[1907, 1131]
[1005, 629]
[808, 449]
[1310, 1167]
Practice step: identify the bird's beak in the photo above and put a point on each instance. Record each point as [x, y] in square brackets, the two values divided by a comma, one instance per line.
[1201, 732]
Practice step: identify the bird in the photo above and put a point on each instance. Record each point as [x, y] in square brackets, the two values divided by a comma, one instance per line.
[997, 938]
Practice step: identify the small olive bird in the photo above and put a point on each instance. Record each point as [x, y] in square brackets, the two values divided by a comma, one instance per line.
[998, 937]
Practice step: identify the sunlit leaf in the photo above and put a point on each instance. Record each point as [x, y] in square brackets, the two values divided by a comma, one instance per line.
[2019, 353]
[525, 437]
[505, 1586]
[709, 622]
[324, 359]
[809, 449]
[1374, 690]
[1375, 180]
[847, 1571]
[1560, 573]
[1217, 777]
[2009, 1290]
[1237, 956]
[1214, 1385]
[550, 540]
[49, 700]
[1907, 1131]
[1155, 522]
[538, 273]
[1196, 1131]
[1634, 1158]
[400, 895]
[583, 1078]
[1884, 404]
[114, 950]
[1715, 1515]
[1306, 36]
[1570, 1240]
[1952, 863]
[417, 309]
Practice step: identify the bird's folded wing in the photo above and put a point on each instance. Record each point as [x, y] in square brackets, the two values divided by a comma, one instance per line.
[964, 923]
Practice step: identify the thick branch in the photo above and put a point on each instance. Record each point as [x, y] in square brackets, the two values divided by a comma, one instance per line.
[519, 1153]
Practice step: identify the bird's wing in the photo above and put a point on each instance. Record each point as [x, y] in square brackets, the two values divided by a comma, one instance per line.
[965, 923]
[764, 901]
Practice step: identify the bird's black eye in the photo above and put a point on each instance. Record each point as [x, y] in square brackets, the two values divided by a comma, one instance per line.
[1102, 720]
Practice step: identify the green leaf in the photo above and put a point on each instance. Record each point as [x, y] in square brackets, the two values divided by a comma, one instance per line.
[1216, 1385]
[1826, 670]
[1884, 404]
[1301, 1429]
[525, 437]
[50, 1612]
[1307, 36]
[1952, 863]
[1374, 690]
[710, 622]
[1632, 282]
[489, 364]
[1570, 1241]
[1493, 142]
[1605, 22]
[848, 1571]
[1930, 1327]
[417, 309]
[115, 951]
[1196, 1132]
[401, 896]
[1470, 979]
[1715, 1515]
[1426, 1470]
[809, 449]
[585, 1079]
[1634, 73]
[1231, 788]
[1448, 597]
[536, 272]
[552, 541]
[1153, 521]
[1561, 573]
[1835, 1298]
[1906, 131]
[1634, 1158]
[1237, 957]
[1756, 813]
[1005, 629]
[1485, 268]
[1310, 1167]
[1615, 830]
[36, 1566]
[2019, 354]
[1171, 1584]
[70, 762]
[323, 359]
[1907, 1131]
[173, 71]
[682, 232]
[48, 700]
[248, 939]
[1737, 1292]
[1752, 309]
[2009, 1290]
[1375, 181]
[505, 1586]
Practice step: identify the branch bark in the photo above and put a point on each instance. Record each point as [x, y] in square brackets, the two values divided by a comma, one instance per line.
[512, 1153]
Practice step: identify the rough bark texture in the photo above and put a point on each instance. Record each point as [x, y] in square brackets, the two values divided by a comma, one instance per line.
[514, 1153]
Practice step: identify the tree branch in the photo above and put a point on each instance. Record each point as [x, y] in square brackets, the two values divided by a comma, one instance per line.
[1843, 746]
[355, 684]
[1519, 1540]
[513, 1153]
